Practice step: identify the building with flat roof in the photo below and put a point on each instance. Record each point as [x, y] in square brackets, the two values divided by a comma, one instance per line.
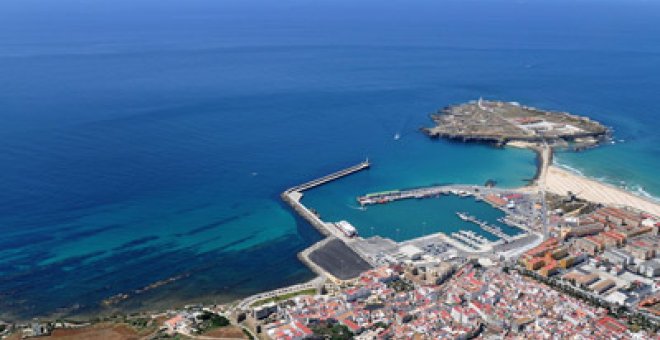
[619, 257]
[650, 268]
[602, 286]
[589, 245]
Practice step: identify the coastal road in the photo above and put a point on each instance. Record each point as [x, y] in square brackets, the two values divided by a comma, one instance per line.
[247, 302]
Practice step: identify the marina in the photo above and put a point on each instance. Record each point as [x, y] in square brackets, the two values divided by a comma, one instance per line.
[514, 206]
[470, 238]
[485, 226]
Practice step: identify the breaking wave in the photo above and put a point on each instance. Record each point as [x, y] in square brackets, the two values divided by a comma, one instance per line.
[633, 188]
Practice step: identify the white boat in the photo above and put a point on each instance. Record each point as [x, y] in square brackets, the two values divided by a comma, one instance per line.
[397, 136]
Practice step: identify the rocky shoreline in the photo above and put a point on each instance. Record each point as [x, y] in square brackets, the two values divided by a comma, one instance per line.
[499, 123]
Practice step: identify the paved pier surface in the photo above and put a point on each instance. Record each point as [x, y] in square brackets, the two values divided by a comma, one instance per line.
[303, 256]
[331, 177]
[336, 258]
[431, 191]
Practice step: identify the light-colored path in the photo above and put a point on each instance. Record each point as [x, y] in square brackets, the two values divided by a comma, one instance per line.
[248, 301]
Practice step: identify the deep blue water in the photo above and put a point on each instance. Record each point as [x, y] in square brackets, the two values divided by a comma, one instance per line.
[143, 140]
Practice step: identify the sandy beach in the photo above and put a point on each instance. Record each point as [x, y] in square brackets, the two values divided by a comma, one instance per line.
[560, 181]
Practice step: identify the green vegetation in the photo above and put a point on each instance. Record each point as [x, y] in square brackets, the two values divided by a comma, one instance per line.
[139, 323]
[332, 331]
[284, 297]
[401, 285]
[211, 321]
[570, 204]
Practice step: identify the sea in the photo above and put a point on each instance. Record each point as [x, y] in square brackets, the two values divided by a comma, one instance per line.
[144, 143]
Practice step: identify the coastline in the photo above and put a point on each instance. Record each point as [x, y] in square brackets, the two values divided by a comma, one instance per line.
[635, 190]
[560, 181]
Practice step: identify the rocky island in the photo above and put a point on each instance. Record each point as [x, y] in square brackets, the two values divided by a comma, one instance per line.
[501, 123]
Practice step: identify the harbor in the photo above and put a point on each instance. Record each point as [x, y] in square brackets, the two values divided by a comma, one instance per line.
[349, 249]
[515, 206]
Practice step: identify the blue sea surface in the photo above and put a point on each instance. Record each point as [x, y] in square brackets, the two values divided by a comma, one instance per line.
[148, 140]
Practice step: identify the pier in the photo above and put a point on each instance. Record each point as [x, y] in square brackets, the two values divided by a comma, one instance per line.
[331, 177]
[467, 241]
[485, 226]
[418, 193]
[292, 197]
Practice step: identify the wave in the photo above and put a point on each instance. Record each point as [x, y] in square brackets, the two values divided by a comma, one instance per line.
[639, 191]
[635, 189]
[568, 167]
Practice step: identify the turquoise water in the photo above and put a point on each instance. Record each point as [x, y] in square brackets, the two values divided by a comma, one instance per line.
[146, 140]
[435, 162]
[408, 219]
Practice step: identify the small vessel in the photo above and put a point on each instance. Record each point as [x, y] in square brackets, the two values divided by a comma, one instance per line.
[397, 136]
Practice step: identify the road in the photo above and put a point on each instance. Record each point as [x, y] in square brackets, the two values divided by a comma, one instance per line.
[247, 302]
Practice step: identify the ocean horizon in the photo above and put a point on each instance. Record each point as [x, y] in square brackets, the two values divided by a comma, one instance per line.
[142, 143]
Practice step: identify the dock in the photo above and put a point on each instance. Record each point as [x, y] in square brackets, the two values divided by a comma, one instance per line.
[485, 226]
[471, 243]
[417, 193]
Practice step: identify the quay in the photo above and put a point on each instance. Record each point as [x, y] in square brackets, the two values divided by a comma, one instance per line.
[474, 237]
[469, 242]
[418, 193]
[485, 226]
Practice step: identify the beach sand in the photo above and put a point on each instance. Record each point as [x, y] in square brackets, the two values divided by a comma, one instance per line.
[560, 181]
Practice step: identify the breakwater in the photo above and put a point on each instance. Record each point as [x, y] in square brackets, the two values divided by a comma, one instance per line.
[292, 197]
[332, 257]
